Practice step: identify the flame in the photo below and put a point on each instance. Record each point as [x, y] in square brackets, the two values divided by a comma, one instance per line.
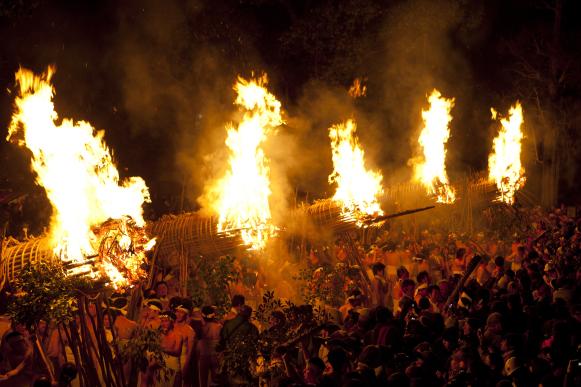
[75, 167]
[504, 164]
[242, 195]
[358, 88]
[358, 189]
[430, 169]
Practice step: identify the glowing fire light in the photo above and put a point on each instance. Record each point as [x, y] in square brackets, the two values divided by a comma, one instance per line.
[504, 164]
[430, 169]
[357, 188]
[75, 167]
[358, 88]
[242, 195]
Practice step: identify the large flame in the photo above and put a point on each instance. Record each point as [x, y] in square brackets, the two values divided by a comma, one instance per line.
[504, 164]
[242, 195]
[430, 169]
[73, 164]
[358, 189]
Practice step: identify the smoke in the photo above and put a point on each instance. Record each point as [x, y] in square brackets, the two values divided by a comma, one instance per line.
[177, 80]
[177, 67]
[425, 48]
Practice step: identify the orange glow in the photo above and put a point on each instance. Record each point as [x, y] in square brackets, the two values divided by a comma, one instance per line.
[358, 88]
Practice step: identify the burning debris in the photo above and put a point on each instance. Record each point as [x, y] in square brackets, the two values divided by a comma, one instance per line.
[358, 189]
[504, 163]
[358, 89]
[95, 214]
[430, 167]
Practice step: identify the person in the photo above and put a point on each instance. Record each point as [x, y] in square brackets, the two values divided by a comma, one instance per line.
[353, 303]
[124, 328]
[183, 328]
[171, 344]
[338, 361]
[402, 274]
[517, 258]
[150, 314]
[459, 262]
[161, 289]
[379, 288]
[206, 347]
[18, 361]
[236, 337]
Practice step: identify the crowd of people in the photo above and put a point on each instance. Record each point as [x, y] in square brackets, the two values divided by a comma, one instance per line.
[432, 310]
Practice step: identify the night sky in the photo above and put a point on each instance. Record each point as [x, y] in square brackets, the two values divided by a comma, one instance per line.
[158, 76]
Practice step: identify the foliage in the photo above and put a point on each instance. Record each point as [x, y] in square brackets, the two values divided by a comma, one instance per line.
[239, 356]
[145, 348]
[508, 222]
[270, 304]
[43, 292]
[208, 283]
[327, 284]
[290, 329]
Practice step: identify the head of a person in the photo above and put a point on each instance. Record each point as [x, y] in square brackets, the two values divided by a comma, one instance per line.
[154, 307]
[470, 326]
[434, 293]
[277, 319]
[182, 313]
[354, 301]
[119, 302]
[314, 370]
[423, 277]
[42, 327]
[161, 289]
[402, 273]
[407, 287]
[107, 321]
[460, 253]
[208, 313]
[378, 269]
[68, 373]
[245, 312]
[18, 327]
[17, 342]
[167, 320]
[238, 301]
[338, 360]
[424, 303]
[494, 323]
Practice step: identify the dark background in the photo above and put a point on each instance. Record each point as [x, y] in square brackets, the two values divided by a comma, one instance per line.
[158, 76]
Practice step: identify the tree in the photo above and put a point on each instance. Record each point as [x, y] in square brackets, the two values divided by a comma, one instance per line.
[547, 82]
